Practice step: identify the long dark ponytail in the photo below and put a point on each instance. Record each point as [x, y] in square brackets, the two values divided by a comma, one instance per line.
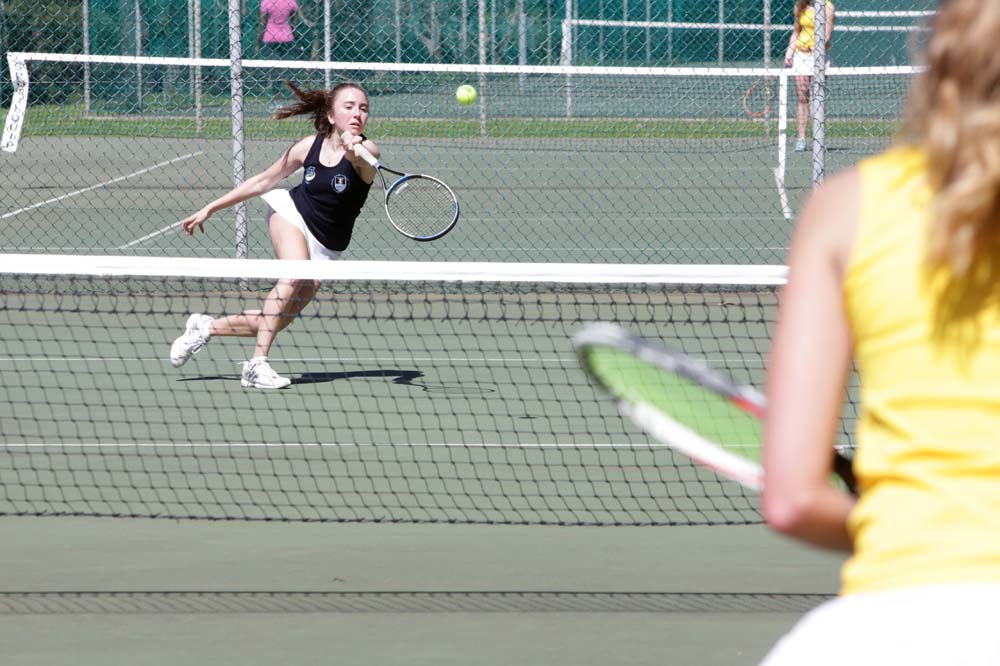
[316, 103]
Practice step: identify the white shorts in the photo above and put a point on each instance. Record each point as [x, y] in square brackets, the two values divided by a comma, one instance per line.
[929, 625]
[804, 63]
[280, 202]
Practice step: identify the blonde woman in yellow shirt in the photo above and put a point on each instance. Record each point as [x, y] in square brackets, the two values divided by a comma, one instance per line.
[895, 267]
[799, 56]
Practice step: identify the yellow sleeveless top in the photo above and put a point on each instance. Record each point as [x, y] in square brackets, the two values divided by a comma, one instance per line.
[807, 28]
[929, 433]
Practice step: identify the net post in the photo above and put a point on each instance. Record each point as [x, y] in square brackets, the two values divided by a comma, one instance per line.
[779, 171]
[239, 143]
[14, 124]
[818, 93]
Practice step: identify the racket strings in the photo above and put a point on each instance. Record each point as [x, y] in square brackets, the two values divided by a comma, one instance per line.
[758, 98]
[421, 207]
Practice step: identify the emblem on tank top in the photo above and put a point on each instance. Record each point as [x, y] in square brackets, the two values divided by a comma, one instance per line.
[339, 183]
[310, 174]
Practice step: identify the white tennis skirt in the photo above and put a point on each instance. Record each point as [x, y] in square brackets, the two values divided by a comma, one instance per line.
[280, 202]
[929, 625]
[804, 63]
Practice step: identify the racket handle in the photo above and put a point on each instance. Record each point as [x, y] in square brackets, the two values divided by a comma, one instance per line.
[360, 150]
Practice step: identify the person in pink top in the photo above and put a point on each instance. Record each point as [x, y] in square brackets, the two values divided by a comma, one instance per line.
[275, 38]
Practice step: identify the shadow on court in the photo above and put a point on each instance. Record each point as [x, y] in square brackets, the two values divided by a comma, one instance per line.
[403, 377]
[398, 377]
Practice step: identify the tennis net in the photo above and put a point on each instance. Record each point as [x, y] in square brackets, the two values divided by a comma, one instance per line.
[420, 392]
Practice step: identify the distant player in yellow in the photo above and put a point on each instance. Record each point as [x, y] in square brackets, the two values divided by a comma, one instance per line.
[800, 57]
[895, 267]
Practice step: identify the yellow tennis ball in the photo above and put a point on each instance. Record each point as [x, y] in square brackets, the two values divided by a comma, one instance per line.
[465, 95]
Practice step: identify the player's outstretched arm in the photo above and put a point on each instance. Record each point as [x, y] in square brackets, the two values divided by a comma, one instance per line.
[254, 186]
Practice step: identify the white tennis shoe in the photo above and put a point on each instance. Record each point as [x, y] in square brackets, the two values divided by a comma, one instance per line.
[196, 335]
[258, 373]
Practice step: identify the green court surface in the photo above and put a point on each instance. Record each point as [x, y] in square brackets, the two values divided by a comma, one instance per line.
[104, 591]
[644, 200]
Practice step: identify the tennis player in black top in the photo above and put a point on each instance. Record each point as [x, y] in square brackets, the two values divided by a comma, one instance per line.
[312, 221]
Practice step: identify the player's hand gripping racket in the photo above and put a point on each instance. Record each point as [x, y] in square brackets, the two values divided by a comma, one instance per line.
[684, 404]
[421, 207]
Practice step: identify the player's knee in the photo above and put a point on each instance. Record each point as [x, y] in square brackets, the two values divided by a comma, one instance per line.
[305, 289]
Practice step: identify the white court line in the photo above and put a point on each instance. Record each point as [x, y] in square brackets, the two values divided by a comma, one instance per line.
[569, 359]
[100, 185]
[351, 445]
[158, 232]
[62, 249]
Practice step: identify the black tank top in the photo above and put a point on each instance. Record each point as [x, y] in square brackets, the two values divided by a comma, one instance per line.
[329, 199]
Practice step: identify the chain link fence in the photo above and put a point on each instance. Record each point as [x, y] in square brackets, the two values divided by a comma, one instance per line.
[636, 33]
[618, 163]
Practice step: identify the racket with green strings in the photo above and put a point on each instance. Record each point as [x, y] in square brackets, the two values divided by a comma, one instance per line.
[684, 404]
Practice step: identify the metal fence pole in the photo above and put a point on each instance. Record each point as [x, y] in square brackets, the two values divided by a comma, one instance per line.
[483, 49]
[239, 143]
[86, 51]
[767, 33]
[327, 47]
[199, 102]
[722, 31]
[818, 93]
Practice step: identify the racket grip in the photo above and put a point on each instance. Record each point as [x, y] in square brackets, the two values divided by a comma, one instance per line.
[360, 150]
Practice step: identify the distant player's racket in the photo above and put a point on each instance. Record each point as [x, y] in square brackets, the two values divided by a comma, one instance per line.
[421, 207]
[758, 98]
[683, 404]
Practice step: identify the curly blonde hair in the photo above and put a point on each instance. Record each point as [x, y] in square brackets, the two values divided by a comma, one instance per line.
[953, 114]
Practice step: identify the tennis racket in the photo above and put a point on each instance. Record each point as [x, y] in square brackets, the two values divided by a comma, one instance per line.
[758, 98]
[683, 403]
[420, 207]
